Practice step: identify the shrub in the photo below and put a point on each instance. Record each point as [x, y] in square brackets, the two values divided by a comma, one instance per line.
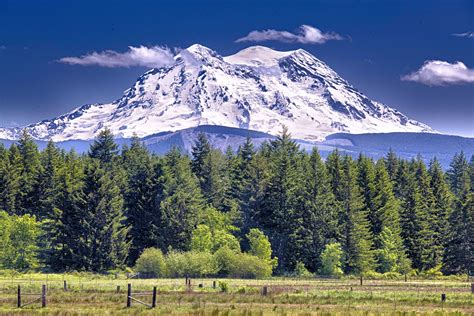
[331, 260]
[301, 271]
[241, 265]
[151, 261]
[191, 263]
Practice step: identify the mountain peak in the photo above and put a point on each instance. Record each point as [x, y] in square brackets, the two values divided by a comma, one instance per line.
[199, 52]
[257, 88]
[257, 56]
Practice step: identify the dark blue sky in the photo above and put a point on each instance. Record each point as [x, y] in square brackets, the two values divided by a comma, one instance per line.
[384, 41]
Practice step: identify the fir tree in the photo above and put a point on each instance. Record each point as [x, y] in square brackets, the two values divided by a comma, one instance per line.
[439, 214]
[141, 209]
[30, 164]
[46, 190]
[103, 234]
[356, 237]
[180, 201]
[104, 147]
[320, 211]
[459, 252]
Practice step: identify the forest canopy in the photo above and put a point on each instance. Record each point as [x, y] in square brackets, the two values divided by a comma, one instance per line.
[248, 212]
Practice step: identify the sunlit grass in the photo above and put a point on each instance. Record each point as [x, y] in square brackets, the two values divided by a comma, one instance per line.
[97, 295]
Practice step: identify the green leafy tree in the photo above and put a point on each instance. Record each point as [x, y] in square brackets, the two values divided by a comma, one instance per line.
[18, 237]
[260, 246]
[331, 260]
[201, 239]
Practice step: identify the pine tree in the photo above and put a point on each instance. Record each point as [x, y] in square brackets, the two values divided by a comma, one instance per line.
[278, 214]
[356, 237]
[181, 202]
[334, 168]
[141, 209]
[25, 200]
[391, 255]
[11, 175]
[62, 248]
[46, 190]
[200, 153]
[439, 215]
[412, 213]
[319, 211]
[459, 252]
[104, 147]
[385, 204]
[366, 182]
[103, 234]
[243, 184]
[392, 162]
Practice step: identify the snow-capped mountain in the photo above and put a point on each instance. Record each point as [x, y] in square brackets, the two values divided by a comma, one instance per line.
[258, 88]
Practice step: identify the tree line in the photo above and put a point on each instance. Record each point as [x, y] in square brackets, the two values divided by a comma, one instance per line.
[100, 210]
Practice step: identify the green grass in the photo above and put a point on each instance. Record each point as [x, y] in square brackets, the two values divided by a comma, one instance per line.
[96, 295]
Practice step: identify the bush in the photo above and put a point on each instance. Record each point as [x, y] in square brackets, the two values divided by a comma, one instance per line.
[151, 261]
[241, 265]
[191, 263]
[301, 271]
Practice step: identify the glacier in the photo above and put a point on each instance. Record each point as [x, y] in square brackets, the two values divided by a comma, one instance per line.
[257, 88]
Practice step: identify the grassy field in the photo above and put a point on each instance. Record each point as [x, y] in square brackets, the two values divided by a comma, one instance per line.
[97, 295]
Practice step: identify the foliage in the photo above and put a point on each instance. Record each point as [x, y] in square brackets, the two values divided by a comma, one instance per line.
[234, 213]
[18, 241]
[191, 264]
[152, 261]
[331, 260]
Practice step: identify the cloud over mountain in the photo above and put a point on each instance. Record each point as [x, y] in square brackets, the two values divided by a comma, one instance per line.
[306, 34]
[142, 56]
[439, 73]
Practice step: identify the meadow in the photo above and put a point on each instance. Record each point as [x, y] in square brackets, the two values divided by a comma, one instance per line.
[99, 295]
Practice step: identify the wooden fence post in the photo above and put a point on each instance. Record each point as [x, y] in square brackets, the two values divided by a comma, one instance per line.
[153, 300]
[19, 296]
[265, 290]
[472, 288]
[118, 288]
[129, 295]
[65, 285]
[43, 296]
[213, 284]
[361, 279]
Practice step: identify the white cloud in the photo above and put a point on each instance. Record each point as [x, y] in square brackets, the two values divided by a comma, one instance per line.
[135, 56]
[465, 34]
[439, 73]
[306, 34]
[3, 47]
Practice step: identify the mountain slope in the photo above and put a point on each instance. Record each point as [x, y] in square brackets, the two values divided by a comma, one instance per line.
[257, 88]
